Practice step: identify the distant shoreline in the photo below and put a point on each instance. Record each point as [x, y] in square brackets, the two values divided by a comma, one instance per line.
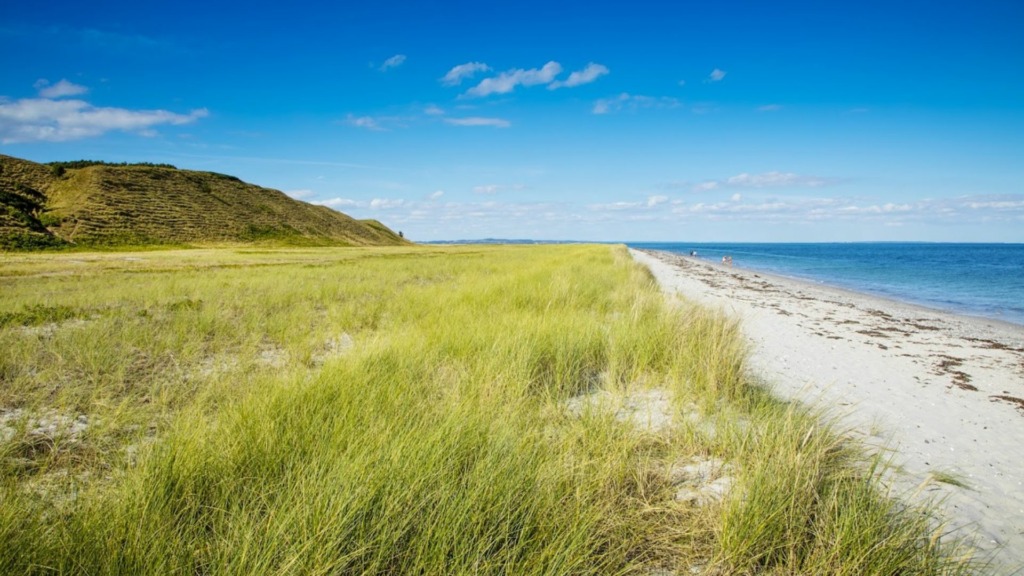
[855, 292]
[952, 278]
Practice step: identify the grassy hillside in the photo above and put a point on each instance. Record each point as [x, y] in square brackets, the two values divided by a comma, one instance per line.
[110, 205]
[23, 203]
[455, 410]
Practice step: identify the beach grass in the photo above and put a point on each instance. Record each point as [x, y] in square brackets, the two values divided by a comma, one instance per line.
[437, 410]
[951, 478]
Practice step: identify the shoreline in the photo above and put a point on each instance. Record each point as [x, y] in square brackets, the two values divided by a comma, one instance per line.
[813, 284]
[942, 392]
[926, 306]
[973, 279]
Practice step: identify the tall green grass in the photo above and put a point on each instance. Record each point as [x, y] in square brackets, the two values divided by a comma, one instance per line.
[229, 433]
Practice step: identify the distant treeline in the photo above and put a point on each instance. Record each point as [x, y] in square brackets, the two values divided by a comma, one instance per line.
[86, 163]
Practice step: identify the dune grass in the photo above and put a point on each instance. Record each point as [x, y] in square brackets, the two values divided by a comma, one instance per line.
[409, 410]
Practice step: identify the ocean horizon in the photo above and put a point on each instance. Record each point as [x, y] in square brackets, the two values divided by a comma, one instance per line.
[976, 279]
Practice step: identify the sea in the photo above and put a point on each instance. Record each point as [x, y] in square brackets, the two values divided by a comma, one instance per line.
[985, 280]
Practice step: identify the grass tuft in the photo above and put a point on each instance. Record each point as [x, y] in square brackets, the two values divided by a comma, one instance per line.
[39, 314]
[950, 478]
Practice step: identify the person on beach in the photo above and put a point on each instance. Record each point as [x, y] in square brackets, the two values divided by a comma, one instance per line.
[727, 260]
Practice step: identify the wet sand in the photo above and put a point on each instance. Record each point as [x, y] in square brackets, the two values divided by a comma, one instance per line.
[943, 392]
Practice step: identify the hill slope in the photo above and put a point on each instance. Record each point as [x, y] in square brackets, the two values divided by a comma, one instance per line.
[105, 205]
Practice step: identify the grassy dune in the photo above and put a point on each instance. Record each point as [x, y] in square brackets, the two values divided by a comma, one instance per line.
[510, 410]
[97, 205]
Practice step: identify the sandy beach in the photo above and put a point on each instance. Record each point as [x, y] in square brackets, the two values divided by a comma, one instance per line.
[944, 393]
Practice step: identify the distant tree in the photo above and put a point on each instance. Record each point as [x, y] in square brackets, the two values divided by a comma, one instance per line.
[400, 235]
[57, 170]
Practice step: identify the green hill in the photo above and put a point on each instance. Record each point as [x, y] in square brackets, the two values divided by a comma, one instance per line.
[100, 204]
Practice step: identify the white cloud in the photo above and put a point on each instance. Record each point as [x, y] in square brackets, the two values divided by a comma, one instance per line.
[770, 179]
[495, 188]
[337, 203]
[586, 76]
[44, 119]
[433, 110]
[379, 123]
[606, 105]
[436, 194]
[716, 75]
[887, 208]
[299, 194]
[771, 210]
[615, 206]
[367, 122]
[393, 62]
[375, 204]
[935, 211]
[706, 186]
[996, 205]
[59, 90]
[490, 216]
[386, 203]
[508, 80]
[479, 121]
[456, 75]
[626, 101]
[487, 217]
[769, 108]
[655, 200]
[763, 180]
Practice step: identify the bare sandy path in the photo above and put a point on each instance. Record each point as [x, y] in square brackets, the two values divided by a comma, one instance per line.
[945, 392]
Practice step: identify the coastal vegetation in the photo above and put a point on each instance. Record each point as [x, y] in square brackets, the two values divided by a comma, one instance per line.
[89, 204]
[438, 410]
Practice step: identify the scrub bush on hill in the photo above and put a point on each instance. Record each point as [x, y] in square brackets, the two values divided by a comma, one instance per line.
[77, 164]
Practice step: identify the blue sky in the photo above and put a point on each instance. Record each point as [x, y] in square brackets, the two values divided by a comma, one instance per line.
[718, 121]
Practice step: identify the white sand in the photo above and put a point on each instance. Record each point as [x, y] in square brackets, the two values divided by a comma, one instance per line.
[944, 392]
